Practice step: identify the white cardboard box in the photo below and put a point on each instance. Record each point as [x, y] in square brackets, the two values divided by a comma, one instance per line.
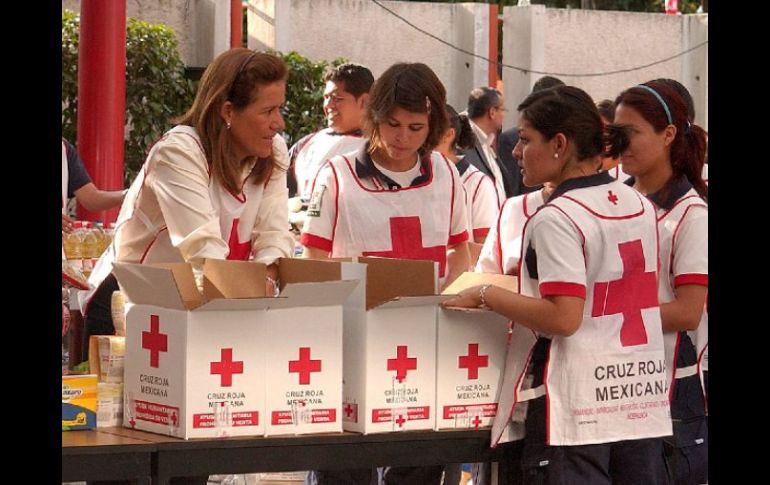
[196, 363]
[390, 347]
[471, 353]
[303, 350]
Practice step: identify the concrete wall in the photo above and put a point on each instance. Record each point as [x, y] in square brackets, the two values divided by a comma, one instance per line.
[202, 26]
[364, 33]
[572, 41]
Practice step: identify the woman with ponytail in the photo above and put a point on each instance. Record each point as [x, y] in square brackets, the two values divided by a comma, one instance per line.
[664, 153]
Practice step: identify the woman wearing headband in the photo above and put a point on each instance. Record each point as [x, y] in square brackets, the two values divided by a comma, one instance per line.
[665, 156]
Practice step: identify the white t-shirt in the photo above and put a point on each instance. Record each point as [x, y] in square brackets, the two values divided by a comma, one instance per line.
[317, 149]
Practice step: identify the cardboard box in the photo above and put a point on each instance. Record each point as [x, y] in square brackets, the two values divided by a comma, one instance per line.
[78, 402]
[390, 346]
[472, 346]
[196, 363]
[303, 350]
[106, 354]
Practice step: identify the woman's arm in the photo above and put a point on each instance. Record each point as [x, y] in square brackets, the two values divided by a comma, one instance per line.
[458, 261]
[553, 315]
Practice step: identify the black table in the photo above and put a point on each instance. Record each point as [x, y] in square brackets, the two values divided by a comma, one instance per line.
[129, 453]
[94, 455]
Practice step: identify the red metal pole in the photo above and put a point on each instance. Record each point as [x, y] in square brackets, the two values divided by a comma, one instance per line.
[236, 23]
[102, 96]
[493, 45]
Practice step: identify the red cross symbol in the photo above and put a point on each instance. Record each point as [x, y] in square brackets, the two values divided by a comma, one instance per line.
[154, 341]
[473, 361]
[238, 251]
[612, 197]
[348, 410]
[402, 364]
[476, 421]
[173, 418]
[400, 420]
[406, 240]
[636, 290]
[226, 368]
[132, 422]
[304, 366]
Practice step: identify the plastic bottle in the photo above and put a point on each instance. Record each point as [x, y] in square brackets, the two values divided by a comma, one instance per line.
[72, 246]
[89, 248]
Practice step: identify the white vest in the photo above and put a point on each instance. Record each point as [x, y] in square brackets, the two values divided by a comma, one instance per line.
[408, 223]
[321, 146]
[607, 381]
[668, 226]
[510, 226]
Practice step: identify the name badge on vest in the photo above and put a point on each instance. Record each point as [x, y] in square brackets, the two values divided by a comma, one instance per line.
[314, 206]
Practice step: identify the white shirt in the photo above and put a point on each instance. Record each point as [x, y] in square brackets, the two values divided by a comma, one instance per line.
[176, 211]
[489, 152]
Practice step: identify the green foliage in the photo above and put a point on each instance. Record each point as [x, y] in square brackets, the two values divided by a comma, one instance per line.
[156, 88]
[70, 24]
[303, 111]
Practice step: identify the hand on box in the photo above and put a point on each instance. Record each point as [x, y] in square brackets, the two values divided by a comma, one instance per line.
[467, 298]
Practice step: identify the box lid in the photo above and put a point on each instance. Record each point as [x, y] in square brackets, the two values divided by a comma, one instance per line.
[407, 301]
[169, 285]
[172, 285]
[296, 270]
[233, 279]
[388, 279]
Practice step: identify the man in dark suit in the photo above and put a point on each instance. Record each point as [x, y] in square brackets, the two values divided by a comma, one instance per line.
[486, 113]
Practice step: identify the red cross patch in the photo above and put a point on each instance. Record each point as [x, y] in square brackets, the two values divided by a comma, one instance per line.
[406, 241]
[634, 291]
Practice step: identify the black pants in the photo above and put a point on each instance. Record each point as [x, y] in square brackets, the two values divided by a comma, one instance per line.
[98, 316]
[686, 452]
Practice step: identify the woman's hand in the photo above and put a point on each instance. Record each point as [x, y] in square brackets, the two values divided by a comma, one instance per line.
[467, 298]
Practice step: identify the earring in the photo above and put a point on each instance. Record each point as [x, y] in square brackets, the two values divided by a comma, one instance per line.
[555, 155]
[228, 125]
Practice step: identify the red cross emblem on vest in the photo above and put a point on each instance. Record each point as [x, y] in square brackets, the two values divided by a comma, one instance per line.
[304, 366]
[634, 291]
[406, 241]
[238, 251]
[154, 341]
[612, 197]
[226, 368]
[473, 361]
[402, 364]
